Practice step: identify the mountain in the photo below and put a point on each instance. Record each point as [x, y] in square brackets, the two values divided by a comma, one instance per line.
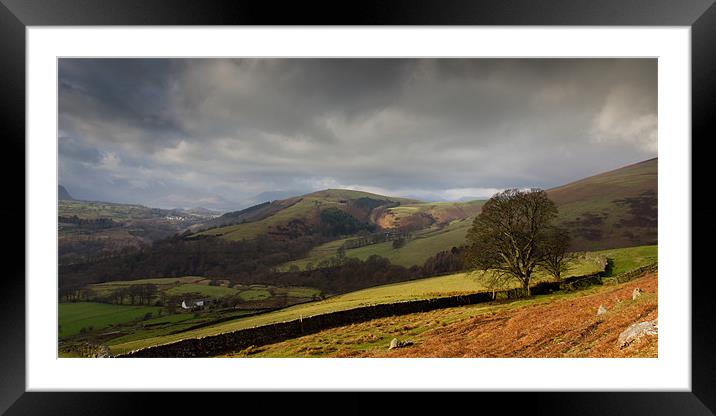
[63, 195]
[613, 209]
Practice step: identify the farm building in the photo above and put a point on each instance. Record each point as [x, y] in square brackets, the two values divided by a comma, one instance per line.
[194, 304]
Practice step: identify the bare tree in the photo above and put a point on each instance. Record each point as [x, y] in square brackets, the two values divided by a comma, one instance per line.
[508, 236]
[555, 257]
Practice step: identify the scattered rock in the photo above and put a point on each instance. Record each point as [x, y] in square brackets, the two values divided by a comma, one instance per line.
[602, 310]
[395, 343]
[635, 293]
[636, 331]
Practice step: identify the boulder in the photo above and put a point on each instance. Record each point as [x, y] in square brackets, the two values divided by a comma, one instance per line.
[635, 293]
[395, 343]
[636, 331]
[602, 310]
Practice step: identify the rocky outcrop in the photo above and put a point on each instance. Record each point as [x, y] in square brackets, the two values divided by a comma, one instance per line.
[636, 331]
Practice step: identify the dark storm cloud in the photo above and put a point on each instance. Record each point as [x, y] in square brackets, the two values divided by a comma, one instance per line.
[181, 132]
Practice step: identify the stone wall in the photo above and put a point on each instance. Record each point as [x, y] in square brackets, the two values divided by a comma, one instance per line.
[267, 334]
[627, 276]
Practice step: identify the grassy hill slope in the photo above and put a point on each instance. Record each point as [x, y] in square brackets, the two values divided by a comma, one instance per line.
[422, 245]
[612, 209]
[303, 211]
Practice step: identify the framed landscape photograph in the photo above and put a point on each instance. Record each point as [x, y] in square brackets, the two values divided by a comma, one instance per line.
[343, 208]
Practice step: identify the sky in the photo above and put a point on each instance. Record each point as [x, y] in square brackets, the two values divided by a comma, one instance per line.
[228, 133]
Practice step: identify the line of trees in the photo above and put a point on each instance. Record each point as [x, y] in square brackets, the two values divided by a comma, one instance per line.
[139, 294]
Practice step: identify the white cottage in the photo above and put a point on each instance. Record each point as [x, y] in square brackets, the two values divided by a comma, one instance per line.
[193, 304]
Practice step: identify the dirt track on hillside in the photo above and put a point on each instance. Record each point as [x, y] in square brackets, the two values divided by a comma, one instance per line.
[563, 328]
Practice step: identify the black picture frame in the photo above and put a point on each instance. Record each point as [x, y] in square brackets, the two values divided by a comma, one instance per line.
[16, 15]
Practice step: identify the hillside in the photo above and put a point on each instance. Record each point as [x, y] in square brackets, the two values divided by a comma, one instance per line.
[568, 327]
[419, 246]
[88, 228]
[613, 209]
[302, 215]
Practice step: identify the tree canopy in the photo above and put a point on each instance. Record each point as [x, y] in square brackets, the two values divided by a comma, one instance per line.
[514, 235]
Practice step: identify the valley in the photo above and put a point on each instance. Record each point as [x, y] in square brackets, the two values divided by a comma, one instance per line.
[128, 272]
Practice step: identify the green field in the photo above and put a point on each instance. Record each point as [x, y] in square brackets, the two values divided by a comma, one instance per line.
[75, 316]
[110, 323]
[630, 258]
[424, 244]
[176, 286]
[155, 281]
[204, 290]
[441, 212]
[256, 294]
[460, 283]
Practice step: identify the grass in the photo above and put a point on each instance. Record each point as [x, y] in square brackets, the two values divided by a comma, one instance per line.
[460, 283]
[301, 292]
[156, 281]
[255, 294]
[456, 325]
[75, 316]
[204, 290]
[128, 323]
[117, 212]
[305, 209]
[174, 286]
[625, 259]
[597, 195]
[440, 211]
[424, 244]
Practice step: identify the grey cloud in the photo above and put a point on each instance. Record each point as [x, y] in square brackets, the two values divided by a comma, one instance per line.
[171, 130]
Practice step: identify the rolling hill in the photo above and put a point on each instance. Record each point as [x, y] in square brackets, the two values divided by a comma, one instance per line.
[613, 209]
[89, 228]
[301, 215]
